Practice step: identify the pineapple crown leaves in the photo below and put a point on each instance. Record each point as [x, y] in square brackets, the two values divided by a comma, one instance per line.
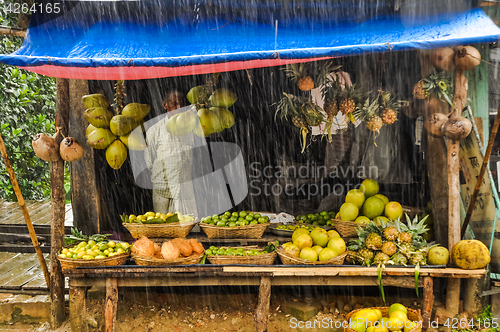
[318, 73]
[440, 84]
[417, 227]
[77, 236]
[331, 89]
[287, 106]
[387, 100]
[355, 93]
[363, 112]
[295, 71]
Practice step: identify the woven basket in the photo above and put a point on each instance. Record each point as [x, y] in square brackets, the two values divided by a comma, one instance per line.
[263, 259]
[287, 259]
[151, 261]
[172, 230]
[413, 315]
[346, 228]
[69, 263]
[238, 232]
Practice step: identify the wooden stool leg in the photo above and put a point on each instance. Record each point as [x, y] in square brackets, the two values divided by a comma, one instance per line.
[428, 302]
[111, 304]
[77, 308]
[262, 312]
[453, 295]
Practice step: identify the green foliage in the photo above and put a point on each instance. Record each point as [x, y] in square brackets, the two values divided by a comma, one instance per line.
[27, 107]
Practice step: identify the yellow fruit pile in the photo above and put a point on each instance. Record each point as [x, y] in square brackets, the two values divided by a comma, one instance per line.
[365, 204]
[315, 245]
[93, 250]
[371, 320]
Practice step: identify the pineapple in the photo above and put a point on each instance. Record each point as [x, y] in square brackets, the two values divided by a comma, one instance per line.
[298, 73]
[311, 113]
[349, 97]
[381, 259]
[374, 241]
[391, 233]
[365, 256]
[347, 105]
[306, 83]
[331, 108]
[351, 257]
[419, 90]
[406, 249]
[290, 105]
[399, 259]
[388, 116]
[404, 237]
[436, 83]
[374, 123]
[417, 258]
[389, 248]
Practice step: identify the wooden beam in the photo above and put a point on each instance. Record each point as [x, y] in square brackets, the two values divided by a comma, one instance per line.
[111, 304]
[261, 315]
[58, 207]
[84, 193]
[10, 31]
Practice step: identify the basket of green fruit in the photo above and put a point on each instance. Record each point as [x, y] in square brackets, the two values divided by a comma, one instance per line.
[159, 225]
[242, 255]
[286, 230]
[96, 250]
[236, 225]
[323, 219]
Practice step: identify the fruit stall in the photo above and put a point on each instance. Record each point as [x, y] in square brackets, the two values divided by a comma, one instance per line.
[254, 97]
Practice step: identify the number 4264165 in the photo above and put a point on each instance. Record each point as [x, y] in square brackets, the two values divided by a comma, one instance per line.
[24, 8]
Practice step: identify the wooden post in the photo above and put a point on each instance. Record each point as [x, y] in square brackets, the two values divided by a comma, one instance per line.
[262, 311]
[428, 302]
[84, 193]
[77, 308]
[58, 200]
[437, 171]
[25, 212]
[459, 100]
[111, 304]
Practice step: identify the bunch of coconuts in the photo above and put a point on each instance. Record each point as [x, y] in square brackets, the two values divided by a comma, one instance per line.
[46, 148]
[463, 58]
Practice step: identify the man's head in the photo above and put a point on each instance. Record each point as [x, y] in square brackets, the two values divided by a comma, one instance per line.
[173, 100]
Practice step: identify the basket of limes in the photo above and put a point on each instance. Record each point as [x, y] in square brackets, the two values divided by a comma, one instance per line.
[322, 219]
[96, 250]
[397, 317]
[156, 225]
[236, 225]
[251, 255]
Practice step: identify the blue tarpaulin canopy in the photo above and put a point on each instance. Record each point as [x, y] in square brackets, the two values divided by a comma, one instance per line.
[139, 40]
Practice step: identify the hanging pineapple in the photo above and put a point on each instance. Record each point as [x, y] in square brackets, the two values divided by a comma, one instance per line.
[330, 93]
[312, 113]
[436, 83]
[290, 106]
[388, 107]
[300, 74]
[368, 113]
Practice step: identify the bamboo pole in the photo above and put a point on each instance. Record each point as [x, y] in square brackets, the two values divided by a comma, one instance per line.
[484, 166]
[24, 209]
[57, 309]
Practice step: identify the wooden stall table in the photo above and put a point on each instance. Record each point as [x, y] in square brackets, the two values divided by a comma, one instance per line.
[263, 276]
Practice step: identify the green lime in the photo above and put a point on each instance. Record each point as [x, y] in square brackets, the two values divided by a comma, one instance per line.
[254, 222]
[257, 215]
[249, 218]
[209, 252]
[232, 224]
[243, 214]
[262, 220]
[227, 214]
[324, 213]
[215, 216]
[235, 214]
[221, 223]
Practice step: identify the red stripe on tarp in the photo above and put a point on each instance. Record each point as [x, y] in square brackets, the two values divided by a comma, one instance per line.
[140, 73]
